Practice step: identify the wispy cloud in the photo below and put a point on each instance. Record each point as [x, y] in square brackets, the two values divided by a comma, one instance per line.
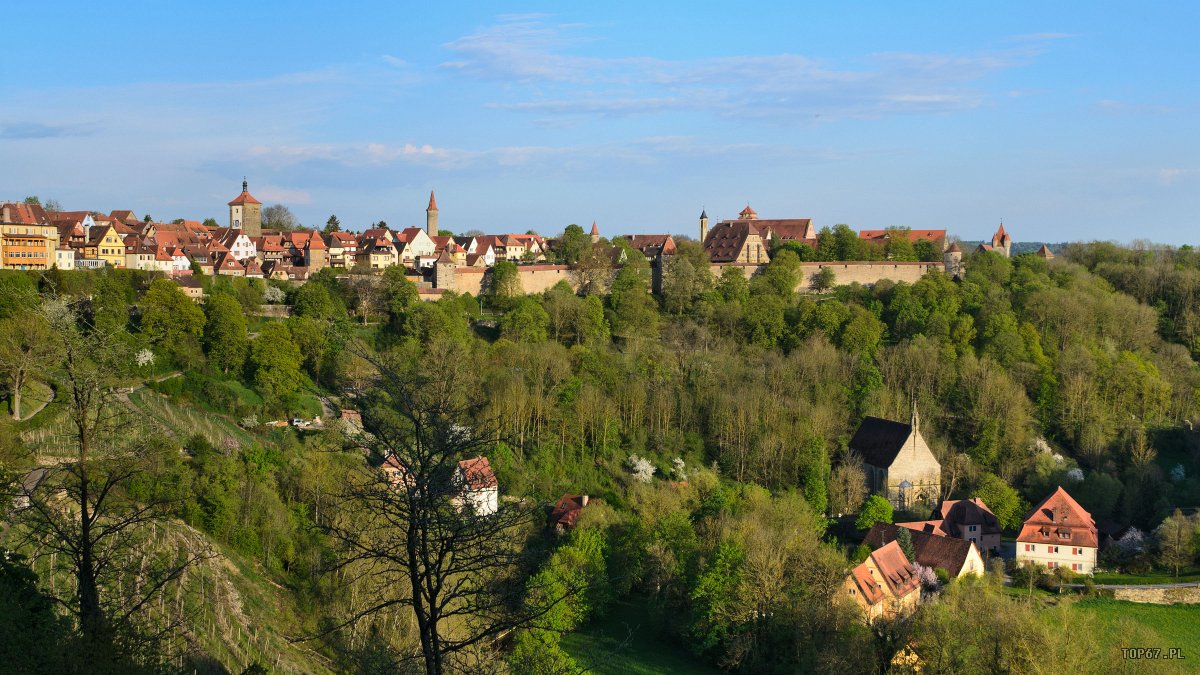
[1119, 107]
[531, 58]
[31, 130]
[1170, 175]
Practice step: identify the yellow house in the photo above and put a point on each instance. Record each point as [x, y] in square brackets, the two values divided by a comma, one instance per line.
[27, 247]
[105, 243]
[884, 586]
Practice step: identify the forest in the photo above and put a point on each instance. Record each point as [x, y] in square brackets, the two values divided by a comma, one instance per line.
[169, 528]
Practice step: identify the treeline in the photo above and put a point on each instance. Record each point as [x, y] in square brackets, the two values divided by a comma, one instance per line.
[740, 393]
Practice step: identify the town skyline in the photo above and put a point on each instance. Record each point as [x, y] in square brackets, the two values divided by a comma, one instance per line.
[1065, 121]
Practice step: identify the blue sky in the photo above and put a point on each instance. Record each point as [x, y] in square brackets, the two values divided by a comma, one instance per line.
[1071, 121]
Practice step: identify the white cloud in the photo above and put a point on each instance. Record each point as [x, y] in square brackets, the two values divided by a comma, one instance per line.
[530, 58]
[1169, 175]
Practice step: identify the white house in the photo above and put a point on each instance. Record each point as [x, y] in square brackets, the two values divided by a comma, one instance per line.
[240, 245]
[1059, 533]
[415, 243]
[477, 486]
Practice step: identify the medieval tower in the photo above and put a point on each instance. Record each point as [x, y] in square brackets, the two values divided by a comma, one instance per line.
[1001, 242]
[703, 225]
[245, 213]
[431, 217]
[952, 259]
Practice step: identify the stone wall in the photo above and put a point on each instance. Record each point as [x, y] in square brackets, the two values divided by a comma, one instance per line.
[1189, 595]
[540, 278]
[534, 278]
[848, 272]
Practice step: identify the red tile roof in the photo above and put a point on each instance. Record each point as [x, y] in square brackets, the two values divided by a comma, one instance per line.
[930, 550]
[897, 571]
[567, 509]
[244, 198]
[871, 591]
[724, 242]
[913, 235]
[432, 202]
[1059, 519]
[748, 213]
[478, 473]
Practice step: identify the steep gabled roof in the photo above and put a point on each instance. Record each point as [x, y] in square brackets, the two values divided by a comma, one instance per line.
[878, 441]
[897, 571]
[972, 511]
[477, 473]
[1059, 519]
[870, 589]
[567, 509]
[726, 239]
[930, 550]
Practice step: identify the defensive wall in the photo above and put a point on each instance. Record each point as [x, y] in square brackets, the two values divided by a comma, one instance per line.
[845, 272]
[540, 278]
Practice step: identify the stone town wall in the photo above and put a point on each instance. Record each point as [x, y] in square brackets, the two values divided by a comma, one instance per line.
[1189, 595]
[540, 278]
[534, 278]
[846, 272]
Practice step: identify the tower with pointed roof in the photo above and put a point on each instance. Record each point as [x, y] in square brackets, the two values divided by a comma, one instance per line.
[595, 232]
[1001, 242]
[431, 216]
[703, 225]
[245, 212]
[748, 214]
[952, 259]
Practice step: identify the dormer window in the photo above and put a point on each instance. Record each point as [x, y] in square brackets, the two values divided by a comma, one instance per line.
[1064, 534]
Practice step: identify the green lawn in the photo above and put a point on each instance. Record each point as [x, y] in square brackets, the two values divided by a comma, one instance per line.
[625, 641]
[1128, 624]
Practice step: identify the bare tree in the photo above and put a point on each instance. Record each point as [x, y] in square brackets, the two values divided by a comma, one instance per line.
[84, 519]
[408, 538]
[847, 486]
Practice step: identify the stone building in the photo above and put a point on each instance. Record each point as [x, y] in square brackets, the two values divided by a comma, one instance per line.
[1001, 243]
[431, 216]
[899, 464]
[245, 213]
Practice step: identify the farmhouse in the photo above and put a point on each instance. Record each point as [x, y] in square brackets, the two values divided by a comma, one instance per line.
[1059, 533]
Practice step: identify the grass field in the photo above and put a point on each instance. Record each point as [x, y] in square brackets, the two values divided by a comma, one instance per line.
[1128, 624]
[624, 641]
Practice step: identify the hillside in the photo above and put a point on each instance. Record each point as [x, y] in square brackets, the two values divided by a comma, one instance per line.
[709, 424]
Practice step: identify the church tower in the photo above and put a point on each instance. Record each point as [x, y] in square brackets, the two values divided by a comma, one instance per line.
[245, 212]
[595, 232]
[703, 225]
[431, 217]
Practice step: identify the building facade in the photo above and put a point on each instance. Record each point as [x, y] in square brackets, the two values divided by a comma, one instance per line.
[898, 462]
[1059, 533]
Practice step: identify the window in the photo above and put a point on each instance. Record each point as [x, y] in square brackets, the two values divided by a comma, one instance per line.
[1064, 534]
[1075, 566]
[1052, 549]
[974, 527]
